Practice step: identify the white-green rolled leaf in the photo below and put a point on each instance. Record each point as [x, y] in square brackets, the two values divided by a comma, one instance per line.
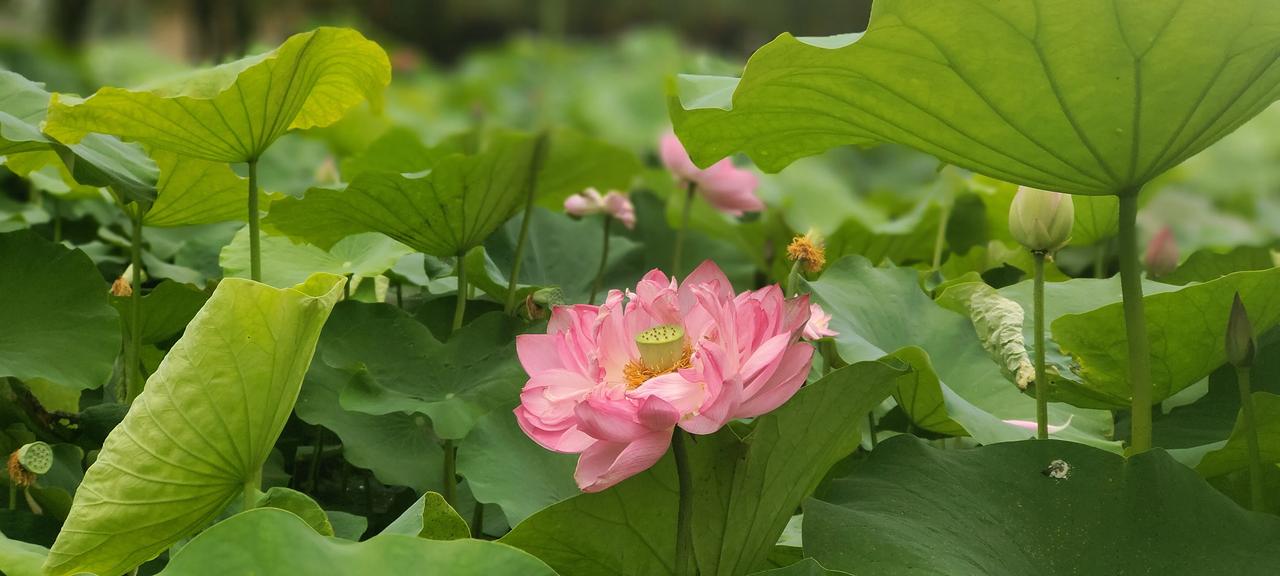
[201, 429]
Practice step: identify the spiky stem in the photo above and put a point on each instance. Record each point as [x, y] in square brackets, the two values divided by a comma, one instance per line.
[684, 521]
[531, 191]
[1042, 382]
[604, 260]
[133, 371]
[1251, 436]
[255, 249]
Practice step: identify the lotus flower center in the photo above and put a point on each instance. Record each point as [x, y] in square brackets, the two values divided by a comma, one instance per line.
[662, 350]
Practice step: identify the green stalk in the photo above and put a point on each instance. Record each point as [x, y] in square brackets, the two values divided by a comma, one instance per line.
[1100, 260]
[460, 311]
[1251, 434]
[251, 485]
[317, 447]
[133, 370]
[604, 260]
[477, 520]
[255, 250]
[941, 239]
[684, 523]
[1042, 382]
[1135, 324]
[531, 190]
[450, 474]
[684, 227]
[871, 428]
[793, 280]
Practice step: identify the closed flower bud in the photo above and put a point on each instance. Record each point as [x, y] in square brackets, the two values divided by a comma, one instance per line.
[1239, 335]
[1040, 220]
[1162, 254]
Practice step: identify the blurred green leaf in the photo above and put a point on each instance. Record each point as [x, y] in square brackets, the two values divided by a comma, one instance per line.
[363, 256]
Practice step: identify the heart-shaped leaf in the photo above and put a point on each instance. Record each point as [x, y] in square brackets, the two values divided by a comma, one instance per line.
[1032, 507]
[48, 293]
[494, 448]
[201, 429]
[1016, 91]
[233, 112]
[409, 370]
[270, 542]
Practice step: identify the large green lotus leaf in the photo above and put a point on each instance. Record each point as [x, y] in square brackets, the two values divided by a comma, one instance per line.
[447, 211]
[745, 489]
[165, 310]
[398, 447]
[201, 429]
[560, 251]
[191, 191]
[956, 387]
[269, 542]
[431, 517]
[1185, 327]
[58, 322]
[575, 162]
[409, 370]
[233, 112]
[287, 263]
[1205, 265]
[399, 150]
[911, 509]
[1029, 99]
[494, 448]
[1234, 454]
[298, 503]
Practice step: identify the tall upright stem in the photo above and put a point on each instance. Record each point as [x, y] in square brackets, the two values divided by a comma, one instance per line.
[1251, 435]
[793, 279]
[255, 250]
[250, 492]
[678, 255]
[941, 239]
[460, 311]
[604, 261]
[1135, 324]
[1042, 382]
[684, 522]
[133, 372]
[449, 476]
[531, 191]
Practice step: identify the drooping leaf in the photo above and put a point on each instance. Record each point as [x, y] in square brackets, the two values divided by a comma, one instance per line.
[94, 160]
[58, 322]
[494, 448]
[301, 505]
[184, 451]
[398, 447]
[233, 112]
[271, 542]
[445, 212]
[1185, 326]
[287, 263]
[1042, 507]
[454, 383]
[956, 388]
[745, 489]
[436, 519]
[1012, 90]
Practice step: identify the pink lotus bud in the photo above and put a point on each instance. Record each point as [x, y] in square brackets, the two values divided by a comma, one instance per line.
[615, 204]
[1162, 253]
[818, 326]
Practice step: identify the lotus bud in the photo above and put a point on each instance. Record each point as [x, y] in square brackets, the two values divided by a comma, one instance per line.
[1162, 253]
[1041, 220]
[1240, 345]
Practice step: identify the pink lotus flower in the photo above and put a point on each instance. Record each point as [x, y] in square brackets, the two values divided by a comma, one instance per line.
[615, 204]
[613, 381]
[1162, 253]
[818, 326]
[728, 188]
